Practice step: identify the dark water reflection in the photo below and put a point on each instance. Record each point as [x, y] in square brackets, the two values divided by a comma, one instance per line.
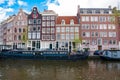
[59, 70]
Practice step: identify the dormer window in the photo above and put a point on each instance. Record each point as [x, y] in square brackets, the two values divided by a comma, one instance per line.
[71, 22]
[63, 22]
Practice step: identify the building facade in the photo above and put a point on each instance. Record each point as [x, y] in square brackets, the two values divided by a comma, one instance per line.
[98, 30]
[34, 29]
[48, 35]
[67, 29]
[19, 29]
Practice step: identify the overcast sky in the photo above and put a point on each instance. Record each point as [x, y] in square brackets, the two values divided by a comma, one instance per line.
[61, 7]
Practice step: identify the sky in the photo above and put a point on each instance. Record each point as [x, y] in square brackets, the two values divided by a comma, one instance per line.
[61, 7]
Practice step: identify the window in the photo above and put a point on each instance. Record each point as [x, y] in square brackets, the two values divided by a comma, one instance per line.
[94, 42]
[112, 34]
[19, 37]
[29, 28]
[19, 30]
[43, 30]
[22, 22]
[110, 18]
[67, 36]
[58, 36]
[34, 28]
[67, 29]
[99, 41]
[63, 22]
[102, 18]
[48, 17]
[24, 37]
[105, 42]
[76, 29]
[112, 42]
[62, 29]
[15, 30]
[52, 37]
[71, 22]
[34, 35]
[38, 28]
[38, 35]
[58, 29]
[52, 30]
[72, 36]
[97, 11]
[52, 17]
[44, 17]
[94, 26]
[85, 26]
[103, 34]
[103, 26]
[38, 21]
[35, 21]
[43, 23]
[62, 36]
[77, 35]
[83, 34]
[24, 30]
[72, 29]
[48, 30]
[48, 23]
[52, 23]
[15, 37]
[85, 18]
[29, 35]
[89, 11]
[94, 34]
[87, 34]
[94, 18]
[30, 21]
[111, 26]
[38, 44]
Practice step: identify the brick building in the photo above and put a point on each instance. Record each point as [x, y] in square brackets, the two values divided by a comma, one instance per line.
[97, 28]
[19, 28]
[34, 29]
[67, 28]
[48, 35]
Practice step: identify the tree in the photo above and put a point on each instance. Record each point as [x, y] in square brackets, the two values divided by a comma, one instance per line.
[116, 14]
[24, 35]
[77, 42]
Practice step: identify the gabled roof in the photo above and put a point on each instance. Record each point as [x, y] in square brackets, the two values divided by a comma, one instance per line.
[67, 19]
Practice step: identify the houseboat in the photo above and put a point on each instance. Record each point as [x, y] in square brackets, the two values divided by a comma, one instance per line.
[110, 55]
[43, 55]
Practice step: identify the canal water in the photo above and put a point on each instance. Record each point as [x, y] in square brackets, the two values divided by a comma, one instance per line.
[59, 70]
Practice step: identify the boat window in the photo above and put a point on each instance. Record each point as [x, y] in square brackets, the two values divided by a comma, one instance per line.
[107, 52]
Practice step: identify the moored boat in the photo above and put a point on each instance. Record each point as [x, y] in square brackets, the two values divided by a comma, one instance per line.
[43, 55]
[110, 55]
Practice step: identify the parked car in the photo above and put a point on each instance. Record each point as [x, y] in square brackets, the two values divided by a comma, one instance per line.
[98, 52]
